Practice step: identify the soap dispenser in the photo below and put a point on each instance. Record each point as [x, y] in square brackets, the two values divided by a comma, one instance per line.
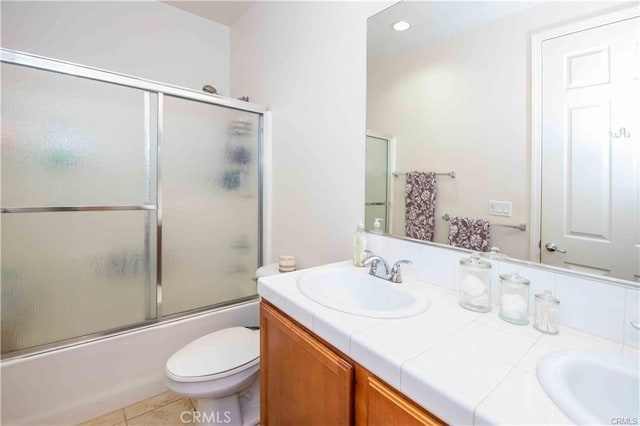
[377, 225]
[359, 246]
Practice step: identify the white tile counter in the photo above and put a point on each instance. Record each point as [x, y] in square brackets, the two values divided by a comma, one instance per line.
[465, 367]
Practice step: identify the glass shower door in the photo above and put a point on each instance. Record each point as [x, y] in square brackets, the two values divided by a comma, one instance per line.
[376, 179]
[210, 204]
[77, 211]
[124, 202]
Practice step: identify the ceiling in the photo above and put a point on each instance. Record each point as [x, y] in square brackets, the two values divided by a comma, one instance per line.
[431, 20]
[222, 12]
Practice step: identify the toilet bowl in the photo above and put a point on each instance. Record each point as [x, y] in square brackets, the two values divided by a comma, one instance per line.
[221, 371]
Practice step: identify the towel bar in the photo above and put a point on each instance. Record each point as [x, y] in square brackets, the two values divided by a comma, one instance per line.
[451, 174]
[522, 226]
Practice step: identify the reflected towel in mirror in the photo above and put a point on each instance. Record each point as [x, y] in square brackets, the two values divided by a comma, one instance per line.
[420, 205]
[469, 233]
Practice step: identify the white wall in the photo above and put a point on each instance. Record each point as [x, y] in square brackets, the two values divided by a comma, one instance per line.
[306, 62]
[463, 103]
[145, 39]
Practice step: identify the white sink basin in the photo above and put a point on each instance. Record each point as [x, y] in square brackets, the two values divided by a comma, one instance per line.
[592, 388]
[356, 292]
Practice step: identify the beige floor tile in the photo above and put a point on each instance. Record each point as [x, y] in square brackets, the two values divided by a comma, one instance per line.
[169, 415]
[134, 410]
[109, 419]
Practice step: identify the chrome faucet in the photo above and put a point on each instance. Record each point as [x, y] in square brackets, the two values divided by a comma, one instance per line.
[373, 261]
[396, 275]
[392, 274]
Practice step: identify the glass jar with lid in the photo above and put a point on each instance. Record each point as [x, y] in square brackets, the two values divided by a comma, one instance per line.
[546, 319]
[514, 298]
[474, 283]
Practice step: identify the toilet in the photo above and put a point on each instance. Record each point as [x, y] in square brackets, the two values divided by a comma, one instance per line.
[221, 371]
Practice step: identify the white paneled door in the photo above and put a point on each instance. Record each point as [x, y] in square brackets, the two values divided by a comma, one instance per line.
[590, 150]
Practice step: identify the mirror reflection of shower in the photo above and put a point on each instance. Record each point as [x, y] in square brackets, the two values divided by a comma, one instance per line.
[377, 185]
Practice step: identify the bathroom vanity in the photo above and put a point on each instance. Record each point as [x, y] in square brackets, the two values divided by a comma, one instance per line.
[443, 365]
[305, 380]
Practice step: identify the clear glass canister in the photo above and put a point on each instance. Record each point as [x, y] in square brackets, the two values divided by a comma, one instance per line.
[474, 284]
[514, 298]
[546, 319]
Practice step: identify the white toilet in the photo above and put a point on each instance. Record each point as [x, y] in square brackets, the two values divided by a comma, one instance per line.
[221, 371]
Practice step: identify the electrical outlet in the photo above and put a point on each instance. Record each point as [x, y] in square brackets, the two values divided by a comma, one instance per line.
[500, 208]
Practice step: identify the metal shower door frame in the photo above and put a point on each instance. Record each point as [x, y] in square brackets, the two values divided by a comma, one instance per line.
[149, 88]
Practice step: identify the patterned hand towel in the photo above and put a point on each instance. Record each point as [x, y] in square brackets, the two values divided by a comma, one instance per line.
[473, 234]
[420, 205]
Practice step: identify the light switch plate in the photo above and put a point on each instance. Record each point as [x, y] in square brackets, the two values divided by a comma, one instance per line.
[500, 208]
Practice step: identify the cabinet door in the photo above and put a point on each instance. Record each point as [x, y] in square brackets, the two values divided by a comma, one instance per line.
[302, 381]
[377, 404]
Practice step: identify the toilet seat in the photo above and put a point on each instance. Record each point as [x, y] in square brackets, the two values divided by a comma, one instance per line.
[216, 355]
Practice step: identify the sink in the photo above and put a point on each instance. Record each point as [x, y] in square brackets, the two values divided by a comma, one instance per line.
[356, 292]
[592, 388]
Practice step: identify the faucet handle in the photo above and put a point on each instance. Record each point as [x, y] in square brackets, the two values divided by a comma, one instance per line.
[396, 274]
[396, 266]
[372, 260]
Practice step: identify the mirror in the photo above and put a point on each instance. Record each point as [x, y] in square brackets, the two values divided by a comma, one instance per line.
[454, 93]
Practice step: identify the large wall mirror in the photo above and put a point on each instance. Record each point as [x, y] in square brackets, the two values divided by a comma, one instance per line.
[527, 113]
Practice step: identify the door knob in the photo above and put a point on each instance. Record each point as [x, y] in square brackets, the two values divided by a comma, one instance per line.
[553, 247]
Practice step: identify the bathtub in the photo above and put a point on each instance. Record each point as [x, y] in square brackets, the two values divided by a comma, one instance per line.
[70, 385]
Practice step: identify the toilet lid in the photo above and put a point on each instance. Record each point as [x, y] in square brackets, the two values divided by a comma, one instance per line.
[216, 353]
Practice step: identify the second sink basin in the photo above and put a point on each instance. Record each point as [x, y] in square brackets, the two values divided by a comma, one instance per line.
[356, 292]
[592, 388]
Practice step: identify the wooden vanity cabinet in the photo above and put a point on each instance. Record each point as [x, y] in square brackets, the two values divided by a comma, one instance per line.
[302, 382]
[378, 404]
[305, 381]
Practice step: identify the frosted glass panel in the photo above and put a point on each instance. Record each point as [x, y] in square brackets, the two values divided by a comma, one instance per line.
[69, 274]
[376, 170]
[376, 178]
[73, 141]
[210, 204]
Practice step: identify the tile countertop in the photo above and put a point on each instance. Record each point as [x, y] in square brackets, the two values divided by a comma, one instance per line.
[463, 366]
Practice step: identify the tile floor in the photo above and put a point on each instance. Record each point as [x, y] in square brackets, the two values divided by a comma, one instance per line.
[164, 409]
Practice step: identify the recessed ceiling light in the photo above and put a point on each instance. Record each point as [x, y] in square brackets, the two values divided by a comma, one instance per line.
[401, 26]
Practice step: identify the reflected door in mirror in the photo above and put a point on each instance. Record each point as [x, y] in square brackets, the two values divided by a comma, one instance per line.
[590, 179]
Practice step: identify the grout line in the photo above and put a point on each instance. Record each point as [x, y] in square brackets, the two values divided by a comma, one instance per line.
[158, 407]
[493, 388]
[127, 419]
